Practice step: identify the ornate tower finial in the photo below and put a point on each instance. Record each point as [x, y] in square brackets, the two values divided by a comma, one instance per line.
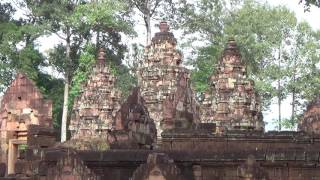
[164, 27]
[101, 56]
[231, 43]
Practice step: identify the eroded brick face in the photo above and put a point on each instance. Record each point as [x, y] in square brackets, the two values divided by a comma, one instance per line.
[133, 126]
[95, 109]
[22, 105]
[165, 84]
[310, 122]
[232, 102]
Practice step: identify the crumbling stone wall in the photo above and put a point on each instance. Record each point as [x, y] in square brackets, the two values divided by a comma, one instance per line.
[231, 102]
[310, 122]
[22, 105]
[165, 84]
[133, 126]
[95, 109]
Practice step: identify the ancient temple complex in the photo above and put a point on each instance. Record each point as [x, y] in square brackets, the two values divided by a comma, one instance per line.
[231, 102]
[159, 132]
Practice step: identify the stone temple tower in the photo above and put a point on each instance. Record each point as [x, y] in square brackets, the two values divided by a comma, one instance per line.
[231, 101]
[95, 108]
[165, 84]
[310, 122]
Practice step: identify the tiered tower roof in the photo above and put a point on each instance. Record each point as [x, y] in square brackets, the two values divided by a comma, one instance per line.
[232, 102]
[95, 109]
[165, 84]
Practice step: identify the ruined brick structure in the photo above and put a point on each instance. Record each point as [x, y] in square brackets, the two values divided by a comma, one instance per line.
[133, 126]
[95, 109]
[189, 150]
[22, 105]
[231, 102]
[310, 122]
[165, 84]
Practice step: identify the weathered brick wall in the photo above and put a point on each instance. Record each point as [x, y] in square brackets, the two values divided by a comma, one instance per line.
[239, 141]
[133, 126]
[23, 98]
[22, 105]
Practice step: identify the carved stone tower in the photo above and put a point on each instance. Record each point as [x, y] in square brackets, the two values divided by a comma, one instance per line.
[165, 84]
[231, 102]
[95, 109]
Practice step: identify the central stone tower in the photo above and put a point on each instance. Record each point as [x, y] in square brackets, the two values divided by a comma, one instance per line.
[165, 84]
[231, 102]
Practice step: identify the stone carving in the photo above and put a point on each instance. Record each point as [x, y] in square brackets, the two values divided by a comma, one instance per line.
[95, 109]
[70, 167]
[22, 105]
[158, 167]
[310, 122]
[251, 170]
[231, 101]
[165, 84]
[133, 126]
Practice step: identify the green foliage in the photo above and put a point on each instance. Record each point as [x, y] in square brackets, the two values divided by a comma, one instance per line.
[86, 62]
[52, 88]
[205, 66]
[308, 3]
[259, 30]
[100, 15]
[125, 81]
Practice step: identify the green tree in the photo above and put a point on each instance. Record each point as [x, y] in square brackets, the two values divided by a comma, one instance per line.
[308, 3]
[149, 9]
[74, 22]
[262, 33]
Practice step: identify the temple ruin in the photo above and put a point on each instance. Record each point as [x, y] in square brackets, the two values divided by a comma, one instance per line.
[165, 84]
[311, 118]
[226, 141]
[95, 109]
[231, 102]
[22, 105]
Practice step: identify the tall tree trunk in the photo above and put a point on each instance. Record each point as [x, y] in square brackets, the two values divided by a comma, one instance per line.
[293, 105]
[66, 89]
[147, 20]
[279, 89]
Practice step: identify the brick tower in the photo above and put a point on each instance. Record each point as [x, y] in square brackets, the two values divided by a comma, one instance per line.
[231, 101]
[95, 108]
[165, 84]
